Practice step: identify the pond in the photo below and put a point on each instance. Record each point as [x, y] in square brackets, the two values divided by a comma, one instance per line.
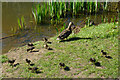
[11, 11]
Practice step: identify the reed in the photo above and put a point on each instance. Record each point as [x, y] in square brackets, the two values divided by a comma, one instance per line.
[114, 19]
[21, 23]
[55, 11]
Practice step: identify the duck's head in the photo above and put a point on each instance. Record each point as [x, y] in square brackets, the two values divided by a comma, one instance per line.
[71, 26]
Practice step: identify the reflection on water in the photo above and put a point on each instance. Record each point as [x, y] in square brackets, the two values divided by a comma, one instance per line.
[12, 11]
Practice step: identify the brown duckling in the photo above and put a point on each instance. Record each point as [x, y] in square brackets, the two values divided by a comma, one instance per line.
[47, 47]
[30, 49]
[103, 53]
[16, 64]
[28, 61]
[11, 62]
[64, 34]
[30, 44]
[62, 65]
[45, 40]
[34, 69]
[92, 60]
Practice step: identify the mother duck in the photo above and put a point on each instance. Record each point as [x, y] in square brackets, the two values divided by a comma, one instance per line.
[64, 34]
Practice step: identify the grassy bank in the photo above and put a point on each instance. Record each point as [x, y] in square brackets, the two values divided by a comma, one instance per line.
[75, 52]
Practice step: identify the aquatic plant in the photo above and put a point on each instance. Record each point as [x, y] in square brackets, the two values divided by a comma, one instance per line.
[53, 12]
[21, 23]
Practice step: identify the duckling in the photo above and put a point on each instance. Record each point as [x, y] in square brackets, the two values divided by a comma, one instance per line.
[92, 60]
[47, 47]
[34, 69]
[64, 34]
[11, 62]
[30, 49]
[62, 65]
[103, 53]
[45, 40]
[30, 44]
[16, 64]
[28, 61]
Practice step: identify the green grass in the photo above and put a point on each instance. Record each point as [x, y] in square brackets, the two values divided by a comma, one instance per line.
[3, 58]
[76, 54]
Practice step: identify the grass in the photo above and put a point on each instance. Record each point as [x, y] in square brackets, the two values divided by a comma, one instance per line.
[74, 53]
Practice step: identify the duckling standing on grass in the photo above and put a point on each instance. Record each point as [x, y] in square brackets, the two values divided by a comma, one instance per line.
[11, 62]
[28, 61]
[92, 60]
[30, 49]
[47, 47]
[64, 34]
[62, 65]
[103, 53]
[45, 40]
[34, 69]
[30, 44]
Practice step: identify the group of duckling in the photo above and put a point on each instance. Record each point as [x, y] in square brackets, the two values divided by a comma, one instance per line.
[31, 47]
[64, 34]
[33, 69]
[12, 63]
[104, 54]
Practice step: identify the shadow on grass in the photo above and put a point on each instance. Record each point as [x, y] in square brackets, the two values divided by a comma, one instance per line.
[109, 57]
[67, 68]
[74, 39]
[32, 64]
[98, 64]
[38, 72]
[34, 51]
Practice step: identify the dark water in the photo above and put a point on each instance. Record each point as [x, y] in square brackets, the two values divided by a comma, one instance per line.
[12, 11]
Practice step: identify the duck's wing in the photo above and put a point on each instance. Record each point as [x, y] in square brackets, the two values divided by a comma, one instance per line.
[64, 34]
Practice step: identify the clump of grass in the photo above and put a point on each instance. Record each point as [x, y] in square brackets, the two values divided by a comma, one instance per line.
[21, 23]
[3, 58]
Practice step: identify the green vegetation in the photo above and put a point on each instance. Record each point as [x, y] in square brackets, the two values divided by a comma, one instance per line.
[21, 23]
[75, 52]
[3, 58]
[54, 12]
